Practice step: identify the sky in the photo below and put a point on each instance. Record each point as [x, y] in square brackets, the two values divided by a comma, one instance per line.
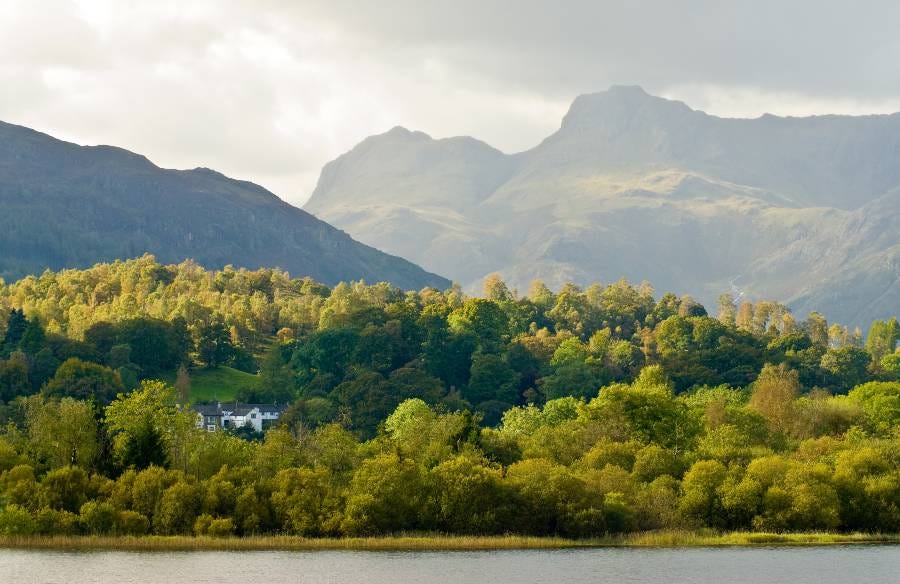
[270, 90]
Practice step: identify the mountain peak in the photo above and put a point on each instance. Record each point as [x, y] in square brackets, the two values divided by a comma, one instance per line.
[620, 103]
[401, 133]
[630, 91]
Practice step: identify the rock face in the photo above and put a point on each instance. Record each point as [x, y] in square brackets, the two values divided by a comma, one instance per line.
[64, 205]
[803, 210]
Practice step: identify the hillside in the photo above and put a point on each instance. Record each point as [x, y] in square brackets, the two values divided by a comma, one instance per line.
[801, 210]
[64, 205]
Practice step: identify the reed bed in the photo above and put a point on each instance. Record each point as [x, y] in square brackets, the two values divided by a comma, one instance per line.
[673, 538]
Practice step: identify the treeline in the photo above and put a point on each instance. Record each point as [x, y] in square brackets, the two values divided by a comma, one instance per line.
[354, 352]
[576, 412]
[635, 457]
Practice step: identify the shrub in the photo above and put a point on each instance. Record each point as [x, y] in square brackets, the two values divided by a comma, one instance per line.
[206, 524]
[16, 520]
[55, 522]
[98, 518]
[132, 523]
[178, 509]
[221, 527]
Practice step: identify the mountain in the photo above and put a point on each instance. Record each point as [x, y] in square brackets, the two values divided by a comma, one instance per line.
[64, 205]
[803, 210]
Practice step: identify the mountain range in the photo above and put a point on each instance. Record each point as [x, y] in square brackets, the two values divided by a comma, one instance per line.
[804, 210]
[66, 206]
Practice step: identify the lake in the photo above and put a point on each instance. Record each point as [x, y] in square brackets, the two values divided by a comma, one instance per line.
[870, 564]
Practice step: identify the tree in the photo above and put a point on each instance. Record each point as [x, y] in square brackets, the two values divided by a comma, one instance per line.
[881, 403]
[645, 411]
[483, 318]
[491, 378]
[214, 343]
[183, 384]
[701, 502]
[15, 329]
[178, 509]
[144, 447]
[817, 328]
[14, 377]
[846, 367]
[882, 338]
[303, 501]
[33, 338]
[773, 395]
[84, 380]
[727, 309]
[154, 403]
[387, 495]
[495, 289]
[550, 498]
[63, 432]
[581, 380]
[470, 498]
[891, 365]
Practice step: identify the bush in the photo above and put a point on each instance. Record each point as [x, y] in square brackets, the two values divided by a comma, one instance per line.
[16, 520]
[98, 518]
[206, 524]
[201, 525]
[178, 509]
[221, 527]
[132, 523]
[55, 522]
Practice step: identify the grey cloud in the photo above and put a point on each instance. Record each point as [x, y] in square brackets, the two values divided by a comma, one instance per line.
[270, 90]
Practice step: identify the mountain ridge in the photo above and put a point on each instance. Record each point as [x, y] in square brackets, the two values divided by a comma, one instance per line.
[67, 205]
[633, 185]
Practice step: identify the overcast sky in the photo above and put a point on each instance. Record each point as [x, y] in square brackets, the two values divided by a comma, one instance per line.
[269, 91]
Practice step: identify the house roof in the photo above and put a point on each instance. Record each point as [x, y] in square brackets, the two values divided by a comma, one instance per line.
[208, 409]
[237, 409]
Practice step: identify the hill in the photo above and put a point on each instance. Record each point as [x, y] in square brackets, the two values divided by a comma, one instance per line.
[802, 210]
[64, 205]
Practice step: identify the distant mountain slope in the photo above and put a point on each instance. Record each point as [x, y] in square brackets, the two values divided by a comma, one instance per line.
[805, 210]
[64, 205]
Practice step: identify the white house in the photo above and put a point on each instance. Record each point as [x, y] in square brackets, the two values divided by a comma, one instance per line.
[236, 415]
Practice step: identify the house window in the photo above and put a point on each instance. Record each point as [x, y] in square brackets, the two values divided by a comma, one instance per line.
[211, 428]
[253, 416]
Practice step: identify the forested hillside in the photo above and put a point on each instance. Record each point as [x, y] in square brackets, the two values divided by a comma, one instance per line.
[575, 411]
[67, 206]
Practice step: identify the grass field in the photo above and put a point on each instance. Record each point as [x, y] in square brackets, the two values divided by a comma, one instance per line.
[220, 384]
[444, 542]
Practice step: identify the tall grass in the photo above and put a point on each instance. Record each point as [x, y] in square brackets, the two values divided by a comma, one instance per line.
[674, 538]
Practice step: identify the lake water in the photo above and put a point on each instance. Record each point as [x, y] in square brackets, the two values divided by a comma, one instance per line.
[813, 565]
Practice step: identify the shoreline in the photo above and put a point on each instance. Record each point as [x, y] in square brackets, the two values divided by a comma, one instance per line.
[659, 539]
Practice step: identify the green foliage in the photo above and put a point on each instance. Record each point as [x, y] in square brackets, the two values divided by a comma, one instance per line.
[144, 447]
[387, 495]
[16, 520]
[881, 403]
[579, 413]
[98, 518]
[882, 338]
[891, 365]
[82, 380]
[214, 345]
[846, 366]
[14, 377]
[62, 432]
